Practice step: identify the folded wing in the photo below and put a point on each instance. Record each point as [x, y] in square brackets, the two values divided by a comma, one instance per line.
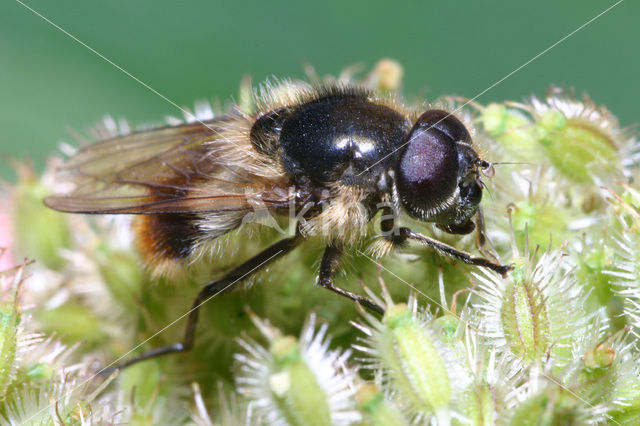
[198, 167]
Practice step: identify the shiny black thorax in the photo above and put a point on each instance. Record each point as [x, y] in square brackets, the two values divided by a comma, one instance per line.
[340, 137]
[428, 167]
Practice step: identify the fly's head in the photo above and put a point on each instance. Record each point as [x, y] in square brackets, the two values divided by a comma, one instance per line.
[437, 173]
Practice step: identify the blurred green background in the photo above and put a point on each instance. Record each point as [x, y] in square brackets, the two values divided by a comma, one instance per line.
[201, 49]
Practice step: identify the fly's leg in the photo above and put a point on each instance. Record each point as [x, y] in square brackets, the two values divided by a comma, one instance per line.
[398, 236]
[482, 242]
[209, 291]
[453, 252]
[328, 267]
[481, 236]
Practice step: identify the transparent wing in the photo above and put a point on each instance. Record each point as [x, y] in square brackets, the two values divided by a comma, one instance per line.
[188, 168]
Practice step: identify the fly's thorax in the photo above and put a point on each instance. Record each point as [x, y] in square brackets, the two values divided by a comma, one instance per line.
[339, 137]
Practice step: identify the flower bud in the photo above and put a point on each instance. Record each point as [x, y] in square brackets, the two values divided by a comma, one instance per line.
[9, 320]
[581, 140]
[297, 382]
[40, 232]
[512, 129]
[378, 410]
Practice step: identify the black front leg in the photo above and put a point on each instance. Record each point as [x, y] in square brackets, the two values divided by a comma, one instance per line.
[453, 252]
[398, 236]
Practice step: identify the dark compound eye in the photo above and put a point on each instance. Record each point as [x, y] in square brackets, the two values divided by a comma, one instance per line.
[427, 169]
[446, 123]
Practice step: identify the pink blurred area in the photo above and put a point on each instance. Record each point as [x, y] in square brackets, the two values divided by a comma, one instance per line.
[6, 259]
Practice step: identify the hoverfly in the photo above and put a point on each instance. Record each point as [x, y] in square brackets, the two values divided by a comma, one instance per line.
[338, 153]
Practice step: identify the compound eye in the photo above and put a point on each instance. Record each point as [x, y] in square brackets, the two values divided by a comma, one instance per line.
[427, 169]
[447, 123]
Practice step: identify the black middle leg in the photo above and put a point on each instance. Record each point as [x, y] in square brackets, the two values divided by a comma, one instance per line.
[328, 267]
[482, 241]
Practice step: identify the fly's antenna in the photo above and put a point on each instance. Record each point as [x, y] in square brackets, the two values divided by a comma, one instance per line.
[511, 162]
[487, 167]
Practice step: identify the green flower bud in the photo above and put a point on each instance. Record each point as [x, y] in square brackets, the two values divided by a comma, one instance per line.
[525, 319]
[295, 388]
[40, 371]
[627, 415]
[146, 380]
[9, 320]
[600, 357]
[449, 325]
[122, 274]
[377, 409]
[73, 322]
[297, 382]
[538, 220]
[479, 404]
[512, 129]
[593, 263]
[575, 147]
[537, 312]
[551, 407]
[581, 139]
[408, 352]
[40, 232]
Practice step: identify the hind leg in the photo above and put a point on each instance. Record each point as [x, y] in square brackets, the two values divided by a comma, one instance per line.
[207, 293]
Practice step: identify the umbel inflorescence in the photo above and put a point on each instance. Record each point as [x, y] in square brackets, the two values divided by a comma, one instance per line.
[555, 341]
